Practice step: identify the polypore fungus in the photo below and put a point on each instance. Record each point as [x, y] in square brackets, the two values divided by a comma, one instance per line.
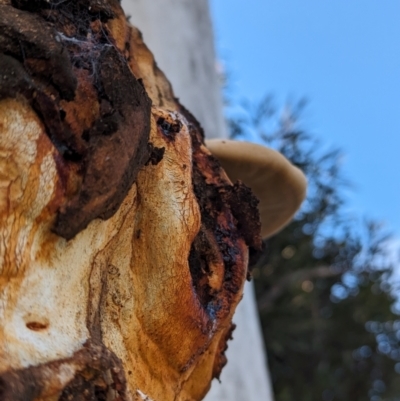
[123, 243]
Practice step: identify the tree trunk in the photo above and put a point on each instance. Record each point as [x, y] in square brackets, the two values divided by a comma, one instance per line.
[122, 253]
[186, 54]
[180, 35]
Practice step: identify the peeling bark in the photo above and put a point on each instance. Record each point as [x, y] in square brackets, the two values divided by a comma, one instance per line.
[124, 245]
[63, 60]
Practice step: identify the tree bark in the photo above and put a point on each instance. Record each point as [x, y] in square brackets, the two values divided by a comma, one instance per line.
[123, 256]
[179, 33]
[186, 54]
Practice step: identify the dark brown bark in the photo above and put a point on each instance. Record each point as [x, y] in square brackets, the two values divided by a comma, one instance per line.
[99, 374]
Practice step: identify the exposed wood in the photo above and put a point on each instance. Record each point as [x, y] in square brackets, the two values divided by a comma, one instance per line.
[124, 246]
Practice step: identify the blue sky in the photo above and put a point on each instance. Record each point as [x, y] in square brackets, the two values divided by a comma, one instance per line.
[344, 56]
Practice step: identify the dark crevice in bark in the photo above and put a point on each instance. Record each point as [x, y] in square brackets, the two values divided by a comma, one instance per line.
[199, 259]
[235, 205]
[229, 214]
[156, 155]
[169, 130]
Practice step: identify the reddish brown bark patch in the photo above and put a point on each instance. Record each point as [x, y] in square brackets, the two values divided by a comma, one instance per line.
[229, 213]
[229, 217]
[117, 146]
[99, 377]
[103, 379]
[56, 54]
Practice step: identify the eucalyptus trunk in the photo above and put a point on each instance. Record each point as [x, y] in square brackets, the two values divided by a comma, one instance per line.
[122, 255]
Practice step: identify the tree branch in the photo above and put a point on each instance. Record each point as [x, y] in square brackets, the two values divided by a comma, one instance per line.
[267, 300]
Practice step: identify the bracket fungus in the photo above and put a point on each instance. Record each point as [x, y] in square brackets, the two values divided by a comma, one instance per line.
[124, 244]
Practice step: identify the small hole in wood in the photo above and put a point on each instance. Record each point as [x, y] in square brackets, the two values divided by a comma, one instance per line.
[37, 326]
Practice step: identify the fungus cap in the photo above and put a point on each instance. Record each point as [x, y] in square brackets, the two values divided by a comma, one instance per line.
[278, 184]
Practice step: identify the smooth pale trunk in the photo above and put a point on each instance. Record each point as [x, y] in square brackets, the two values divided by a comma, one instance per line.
[179, 33]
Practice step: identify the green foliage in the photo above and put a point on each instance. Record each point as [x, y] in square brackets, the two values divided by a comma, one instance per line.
[323, 285]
